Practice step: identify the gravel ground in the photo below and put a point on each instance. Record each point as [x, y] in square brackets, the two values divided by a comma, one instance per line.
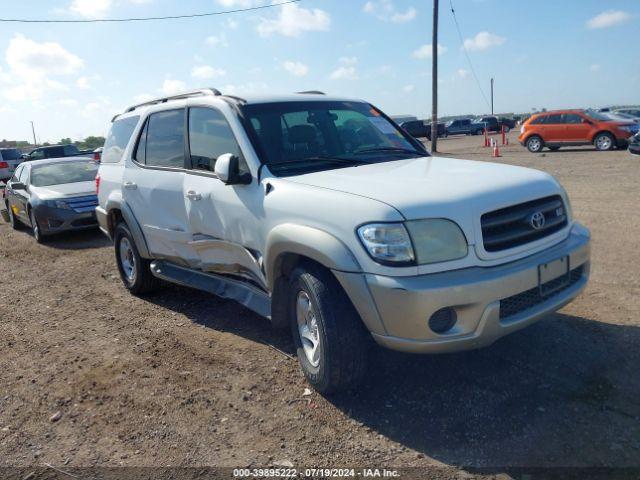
[92, 376]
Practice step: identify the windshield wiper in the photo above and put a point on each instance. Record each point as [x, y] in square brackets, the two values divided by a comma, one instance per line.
[389, 149]
[348, 161]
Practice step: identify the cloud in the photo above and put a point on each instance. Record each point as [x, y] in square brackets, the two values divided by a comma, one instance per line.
[344, 73]
[296, 69]
[97, 8]
[241, 3]
[83, 83]
[608, 19]
[292, 21]
[462, 73]
[171, 87]
[216, 41]
[90, 8]
[143, 97]
[244, 88]
[348, 60]
[595, 67]
[425, 51]
[385, 10]
[408, 88]
[207, 72]
[33, 67]
[483, 41]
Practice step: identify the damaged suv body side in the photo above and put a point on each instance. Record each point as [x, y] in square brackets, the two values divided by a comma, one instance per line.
[322, 215]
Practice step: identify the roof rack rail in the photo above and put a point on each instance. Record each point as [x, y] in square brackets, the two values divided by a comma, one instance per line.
[188, 94]
[311, 92]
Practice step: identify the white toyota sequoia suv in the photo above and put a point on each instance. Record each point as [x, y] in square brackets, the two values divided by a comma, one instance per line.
[321, 214]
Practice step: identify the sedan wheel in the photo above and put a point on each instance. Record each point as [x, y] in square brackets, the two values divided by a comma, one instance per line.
[15, 223]
[37, 234]
[534, 144]
[308, 328]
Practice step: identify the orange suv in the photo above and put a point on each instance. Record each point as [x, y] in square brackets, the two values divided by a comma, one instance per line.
[563, 128]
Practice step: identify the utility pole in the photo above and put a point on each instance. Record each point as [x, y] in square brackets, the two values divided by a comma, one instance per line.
[492, 96]
[434, 80]
[33, 129]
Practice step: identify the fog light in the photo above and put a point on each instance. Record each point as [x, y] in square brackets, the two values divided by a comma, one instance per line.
[443, 320]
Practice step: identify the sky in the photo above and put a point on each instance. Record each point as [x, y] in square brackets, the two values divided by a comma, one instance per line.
[70, 79]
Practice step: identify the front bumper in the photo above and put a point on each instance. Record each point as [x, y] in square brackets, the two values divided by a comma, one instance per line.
[402, 306]
[56, 220]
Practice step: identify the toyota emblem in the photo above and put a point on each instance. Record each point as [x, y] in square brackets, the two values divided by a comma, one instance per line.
[537, 220]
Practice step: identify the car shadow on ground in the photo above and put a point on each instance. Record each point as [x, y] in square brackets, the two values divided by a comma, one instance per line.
[535, 398]
[79, 240]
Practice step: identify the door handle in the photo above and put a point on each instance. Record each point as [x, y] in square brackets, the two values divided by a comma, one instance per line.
[130, 186]
[193, 196]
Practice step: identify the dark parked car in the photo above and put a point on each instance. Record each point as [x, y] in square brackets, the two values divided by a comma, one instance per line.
[422, 129]
[634, 144]
[52, 196]
[479, 124]
[461, 126]
[56, 151]
[509, 123]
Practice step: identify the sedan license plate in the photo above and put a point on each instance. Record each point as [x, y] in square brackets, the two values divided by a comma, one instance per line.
[553, 276]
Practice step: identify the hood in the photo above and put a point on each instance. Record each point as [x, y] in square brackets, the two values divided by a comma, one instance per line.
[437, 187]
[64, 190]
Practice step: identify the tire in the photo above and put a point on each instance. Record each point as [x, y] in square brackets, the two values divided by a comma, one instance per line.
[535, 144]
[604, 141]
[35, 228]
[13, 221]
[135, 271]
[554, 149]
[329, 336]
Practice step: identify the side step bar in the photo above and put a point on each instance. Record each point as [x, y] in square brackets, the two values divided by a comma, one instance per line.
[251, 297]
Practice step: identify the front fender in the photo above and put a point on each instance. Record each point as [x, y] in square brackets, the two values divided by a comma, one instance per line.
[309, 242]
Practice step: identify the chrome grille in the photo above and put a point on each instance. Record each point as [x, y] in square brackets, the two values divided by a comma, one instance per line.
[83, 204]
[516, 225]
[520, 302]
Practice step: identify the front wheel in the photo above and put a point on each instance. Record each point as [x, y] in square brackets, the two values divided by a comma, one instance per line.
[604, 142]
[329, 336]
[15, 223]
[135, 271]
[534, 144]
[35, 227]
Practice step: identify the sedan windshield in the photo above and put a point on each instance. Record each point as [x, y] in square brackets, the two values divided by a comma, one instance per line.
[63, 172]
[295, 136]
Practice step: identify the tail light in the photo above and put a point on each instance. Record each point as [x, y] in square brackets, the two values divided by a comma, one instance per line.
[97, 184]
[4, 165]
[97, 156]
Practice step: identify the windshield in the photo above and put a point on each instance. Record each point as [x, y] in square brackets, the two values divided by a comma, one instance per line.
[63, 172]
[296, 136]
[597, 115]
[10, 154]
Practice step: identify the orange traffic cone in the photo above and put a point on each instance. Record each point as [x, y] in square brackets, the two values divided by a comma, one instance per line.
[496, 150]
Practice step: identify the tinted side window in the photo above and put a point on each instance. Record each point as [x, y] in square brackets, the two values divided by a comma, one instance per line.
[37, 154]
[165, 139]
[539, 120]
[209, 137]
[572, 118]
[554, 120]
[118, 139]
[140, 153]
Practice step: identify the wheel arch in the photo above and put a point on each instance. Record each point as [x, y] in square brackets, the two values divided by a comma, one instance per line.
[600, 132]
[118, 211]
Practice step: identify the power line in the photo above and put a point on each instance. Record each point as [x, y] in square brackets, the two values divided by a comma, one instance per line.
[146, 19]
[466, 53]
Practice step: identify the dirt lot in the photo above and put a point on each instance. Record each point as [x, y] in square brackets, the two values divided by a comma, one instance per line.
[183, 378]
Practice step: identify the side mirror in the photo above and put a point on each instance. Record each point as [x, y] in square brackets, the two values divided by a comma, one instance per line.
[227, 169]
[18, 186]
[588, 122]
[24, 156]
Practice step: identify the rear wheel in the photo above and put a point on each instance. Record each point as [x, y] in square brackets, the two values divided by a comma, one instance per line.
[135, 271]
[535, 144]
[329, 336]
[604, 141]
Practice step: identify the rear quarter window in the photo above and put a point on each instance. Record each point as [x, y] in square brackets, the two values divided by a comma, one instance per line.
[118, 139]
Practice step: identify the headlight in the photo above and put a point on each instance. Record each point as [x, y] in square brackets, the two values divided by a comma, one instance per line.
[57, 204]
[437, 240]
[387, 242]
[416, 242]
